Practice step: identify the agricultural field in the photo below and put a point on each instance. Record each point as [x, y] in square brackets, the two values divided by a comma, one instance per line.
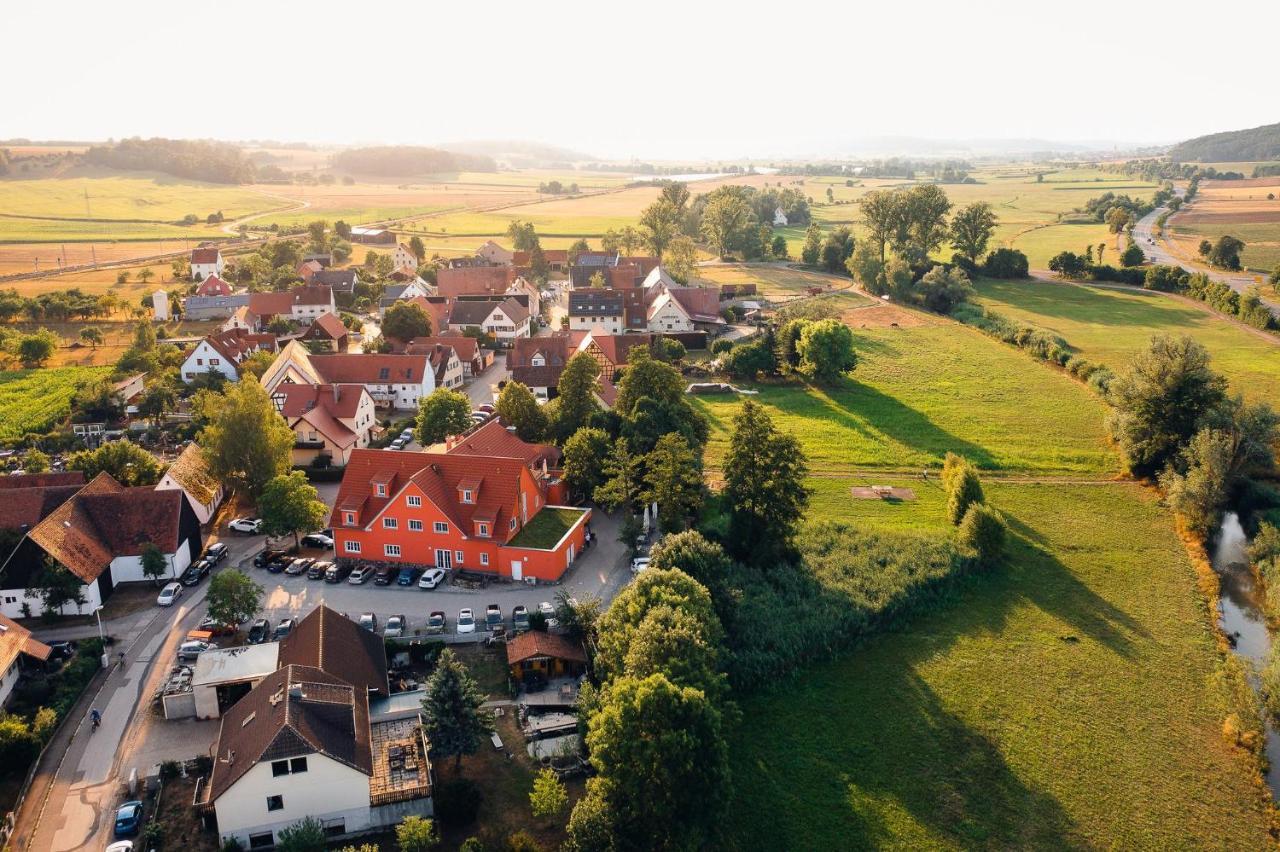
[1063, 701]
[38, 257]
[1108, 326]
[772, 282]
[926, 387]
[1236, 207]
[37, 400]
[117, 334]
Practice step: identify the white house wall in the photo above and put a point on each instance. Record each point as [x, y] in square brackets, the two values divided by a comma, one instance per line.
[11, 601]
[203, 512]
[327, 790]
[199, 361]
[128, 569]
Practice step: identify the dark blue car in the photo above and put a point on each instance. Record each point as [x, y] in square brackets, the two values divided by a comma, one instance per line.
[128, 819]
[408, 576]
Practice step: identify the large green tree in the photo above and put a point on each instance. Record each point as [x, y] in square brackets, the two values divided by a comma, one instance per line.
[659, 225]
[673, 480]
[246, 443]
[453, 718]
[725, 220]
[405, 321]
[584, 460]
[290, 505]
[55, 587]
[764, 489]
[623, 479]
[442, 413]
[645, 376]
[826, 350]
[971, 229]
[154, 564]
[233, 597]
[577, 395]
[128, 463]
[518, 407]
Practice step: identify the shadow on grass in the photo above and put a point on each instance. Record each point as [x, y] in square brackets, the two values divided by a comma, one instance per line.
[1102, 307]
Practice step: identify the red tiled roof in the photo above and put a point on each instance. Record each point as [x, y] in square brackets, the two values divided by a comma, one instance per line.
[213, 286]
[466, 347]
[328, 641]
[535, 643]
[327, 326]
[236, 344]
[371, 369]
[616, 346]
[702, 304]
[16, 639]
[14, 482]
[205, 255]
[272, 304]
[474, 280]
[26, 507]
[340, 400]
[493, 440]
[521, 258]
[437, 309]
[646, 263]
[437, 476]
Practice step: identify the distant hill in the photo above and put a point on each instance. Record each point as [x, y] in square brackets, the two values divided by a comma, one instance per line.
[196, 159]
[519, 153]
[1233, 146]
[409, 161]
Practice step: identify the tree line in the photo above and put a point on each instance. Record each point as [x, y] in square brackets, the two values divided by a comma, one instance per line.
[216, 162]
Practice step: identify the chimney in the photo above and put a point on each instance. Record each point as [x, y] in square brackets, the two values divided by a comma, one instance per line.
[335, 394]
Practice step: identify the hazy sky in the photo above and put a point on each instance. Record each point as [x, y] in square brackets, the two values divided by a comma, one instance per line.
[649, 79]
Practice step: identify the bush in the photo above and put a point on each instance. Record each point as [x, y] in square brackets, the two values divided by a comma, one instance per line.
[1103, 272]
[1006, 263]
[169, 770]
[523, 841]
[1132, 256]
[457, 802]
[964, 491]
[721, 345]
[984, 531]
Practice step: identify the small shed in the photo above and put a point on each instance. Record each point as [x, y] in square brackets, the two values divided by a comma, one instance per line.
[224, 676]
[546, 654]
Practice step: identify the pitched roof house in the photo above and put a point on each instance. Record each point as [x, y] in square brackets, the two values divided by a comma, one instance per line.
[536, 652]
[213, 286]
[474, 281]
[206, 261]
[404, 258]
[537, 362]
[16, 645]
[507, 319]
[190, 474]
[494, 254]
[597, 309]
[327, 420]
[328, 331]
[341, 281]
[398, 381]
[302, 304]
[224, 352]
[466, 348]
[611, 350]
[307, 270]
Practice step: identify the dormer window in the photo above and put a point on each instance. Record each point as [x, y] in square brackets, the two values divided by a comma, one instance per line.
[482, 530]
[349, 518]
[538, 361]
[380, 489]
[466, 496]
[511, 525]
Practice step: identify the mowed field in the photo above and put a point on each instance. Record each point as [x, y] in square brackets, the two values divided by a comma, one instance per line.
[1239, 208]
[1063, 701]
[926, 387]
[1109, 325]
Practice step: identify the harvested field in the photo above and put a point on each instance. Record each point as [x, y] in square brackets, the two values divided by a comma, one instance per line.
[25, 257]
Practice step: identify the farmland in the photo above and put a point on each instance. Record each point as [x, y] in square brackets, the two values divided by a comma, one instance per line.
[1239, 208]
[1108, 325]
[1061, 702]
[37, 400]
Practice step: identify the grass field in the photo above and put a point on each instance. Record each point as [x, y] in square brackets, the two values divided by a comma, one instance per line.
[1061, 702]
[922, 391]
[118, 334]
[1108, 326]
[37, 400]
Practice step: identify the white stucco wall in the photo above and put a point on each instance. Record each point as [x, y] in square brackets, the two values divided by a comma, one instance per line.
[128, 569]
[203, 512]
[327, 790]
[597, 324]
[670, 318]
[8, 681]
[11, 601]
[199, 362]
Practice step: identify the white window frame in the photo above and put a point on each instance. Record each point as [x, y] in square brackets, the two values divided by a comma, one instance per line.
[413, 501]
[484, 559]
[380, 490]
[391, 551]
[483, 530]
[440, 527]
[390, 524]
[415, 525]
[466, 495]
[351, 546]
[349, 518]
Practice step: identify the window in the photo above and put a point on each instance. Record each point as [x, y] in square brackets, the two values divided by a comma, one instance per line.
[484, 559]
[457, 557]
[298, 764]
[389, 523]
[279, 767]
[275, 803]
[484, 530]
[9, 599]
[352, 546]
[349, 518]
[380, 490]
[392, 550]
[511, 524]
[440, 527]
[413, 501]
[200, 362]
[262, 841]
[415, 526]
[466, 496]
[213, 362]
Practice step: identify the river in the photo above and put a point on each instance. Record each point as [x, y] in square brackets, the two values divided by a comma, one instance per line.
[1240, 614]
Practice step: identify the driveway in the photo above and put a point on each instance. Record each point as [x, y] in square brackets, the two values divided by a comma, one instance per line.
[484, 387]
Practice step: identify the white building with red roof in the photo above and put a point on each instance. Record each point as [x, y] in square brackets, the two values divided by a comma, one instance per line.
[206, 262]
[224, 352]
[393, 381]
[327, 420]
[212, 285]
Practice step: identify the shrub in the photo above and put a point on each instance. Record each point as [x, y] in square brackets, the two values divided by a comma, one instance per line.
[523, 841]
[1132, 256]
[169, 770]
[984, 531]
[965, 491]
[457, 802]
[721, 345]
[1006, 263]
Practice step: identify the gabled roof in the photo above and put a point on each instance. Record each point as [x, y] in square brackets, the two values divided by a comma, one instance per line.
[474, 313]
[437, 476]
[329, 641]
[191, 472]
[26, 507]
[702, 304]
[294, 711]
[236, 344]
[272, 304]
[615, 347]
[105, 520]
[341, 280]
[466, 347]
[14, 482]
[371, 368]
[657, 276]
[205, 255]
[326, 327]
[535, 643]
[16, 639]
[595, 302]
[474, 280]
[294, 400]
[493, 439]
[213, 286]
[521, 258]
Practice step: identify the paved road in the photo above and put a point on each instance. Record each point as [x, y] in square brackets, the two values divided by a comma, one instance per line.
[1158, 250]
[484, 388]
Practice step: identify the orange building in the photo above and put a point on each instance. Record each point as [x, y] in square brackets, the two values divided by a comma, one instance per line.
[457, 510]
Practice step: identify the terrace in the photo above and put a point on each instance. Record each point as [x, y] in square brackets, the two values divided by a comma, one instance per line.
[401, 771]
[545, 529]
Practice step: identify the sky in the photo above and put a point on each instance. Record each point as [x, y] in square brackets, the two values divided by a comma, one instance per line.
[649, 80]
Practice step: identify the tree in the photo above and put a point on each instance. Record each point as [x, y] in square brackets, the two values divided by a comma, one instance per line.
[879, 215]
[659, 225]
[34, 349]
[305, 835]
[1005, 263]
[34, 461]
[128, 463]
[866, 267]
[256, 364]
[453, 719]
[597, 280]
[576, 391]
[726, 217]
[1225, 253]
[157, 401]
[984, 531]
[291, 505]
[233, 597]
[1204, 248]
[971, 229]
[1117, 219]
[653, 742]
[680, 258]
[405, 321]
[764, 487]
[826, 351]
[646, 376]
[415, 834]
[1160, 400]
[246, 443]
[921, 222]
[963, 490]
[92, 336]
[942, 288]
[1067, 264]
[584, 456]
[673, 480]
[316, 230]
[812, 248]
[419, 250]
[154, 565]
[548, 797]
[1132, 256]
[623, 475]
[146, 275]
[779, 247]
[749, 360]
[443, 413]
[517, 407]
[837, 248]
[55, 587]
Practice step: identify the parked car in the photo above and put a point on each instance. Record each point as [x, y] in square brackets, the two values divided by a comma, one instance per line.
[248, 526]
[266, 556]
[318, 570]
[639, 564]
[479, 417]
[215, 553]
[431, 578]
[121, 846]
[382, 576]
[466, 621]
[407, 436]
[492, 616]
[549, 613]
[62, 650]
[195, 572]
[396, 627]
[397, 444]
[336, 573]
[436, 623]
[259, 632]
[281, 562]
[215, 629]
[359, 575]
[407, 577]
[191, 649]
[486, 408]
[170, 593]
[368, 621]
[128, 819]
[318, 539]
[520, 618]
[299, 566]
[283, 629]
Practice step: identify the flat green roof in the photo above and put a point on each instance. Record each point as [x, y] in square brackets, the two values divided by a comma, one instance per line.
[547, 527]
